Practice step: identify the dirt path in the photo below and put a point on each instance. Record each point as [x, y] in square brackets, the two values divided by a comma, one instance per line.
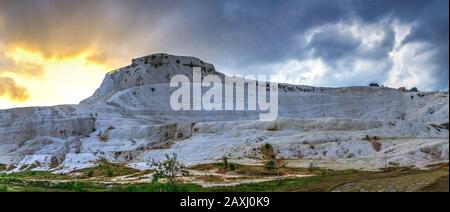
[401, 183]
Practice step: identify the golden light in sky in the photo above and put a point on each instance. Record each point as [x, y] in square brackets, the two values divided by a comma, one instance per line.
[64, 79]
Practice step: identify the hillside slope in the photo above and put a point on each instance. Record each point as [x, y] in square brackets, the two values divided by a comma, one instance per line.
[129, 119]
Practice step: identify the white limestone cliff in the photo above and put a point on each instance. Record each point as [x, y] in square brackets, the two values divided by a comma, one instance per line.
[129, 120]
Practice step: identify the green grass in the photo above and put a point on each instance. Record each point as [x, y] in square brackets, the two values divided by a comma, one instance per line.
[3, 188]
[259, 170]
[157, 187]
[44, 175]
[106, 169]
[87, 186]
[46, 186]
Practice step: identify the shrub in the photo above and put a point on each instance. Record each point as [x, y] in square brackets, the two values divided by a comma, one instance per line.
[268, 146]
[3, 188]
[374, 84]
[55, 161]
[376, 145]
[226, 165]
[232, 167]
[275, 127]
[90, 173]
[168, 169]
[271, 165]
[103, 137]
[414, 89]
[267, 151]
[109, 172]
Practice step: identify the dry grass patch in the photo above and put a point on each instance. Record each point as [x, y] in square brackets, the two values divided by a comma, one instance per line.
[107, 169]
[3, 167]
[253, 170]
[210, 178]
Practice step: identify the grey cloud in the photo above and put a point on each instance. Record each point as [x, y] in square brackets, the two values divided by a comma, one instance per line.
[233, 34]
[432, 28]
[333, 44]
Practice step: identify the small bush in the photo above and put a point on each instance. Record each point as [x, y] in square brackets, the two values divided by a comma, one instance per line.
[232, 167]
[55, 162]
[168, 169]
[267, 151]
[271, 165]
[374, 84]
[103, 137]
[226, 165]
[3, 188]
[414, 89]
[376, 145]
[109, 172]
[275, 127]
[90, 173]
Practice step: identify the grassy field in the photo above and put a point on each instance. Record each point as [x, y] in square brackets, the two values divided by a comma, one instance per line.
[98, 179]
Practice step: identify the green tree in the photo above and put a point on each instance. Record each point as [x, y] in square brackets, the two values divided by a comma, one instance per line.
[271, 165]
[226, 165]
[168, 169]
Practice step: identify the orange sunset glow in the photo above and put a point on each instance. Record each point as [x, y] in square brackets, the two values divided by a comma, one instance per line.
[68, 78]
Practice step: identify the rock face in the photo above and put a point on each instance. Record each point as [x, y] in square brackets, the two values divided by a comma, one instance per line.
[129, 120]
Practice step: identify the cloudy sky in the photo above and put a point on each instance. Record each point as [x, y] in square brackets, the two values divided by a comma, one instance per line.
[57, 51]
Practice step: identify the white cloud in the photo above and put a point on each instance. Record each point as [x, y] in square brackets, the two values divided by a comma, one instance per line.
[407, 65]
[412, 62]
[412, 67]
[306, 72]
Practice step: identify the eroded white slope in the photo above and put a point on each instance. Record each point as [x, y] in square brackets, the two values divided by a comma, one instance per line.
[129, 120]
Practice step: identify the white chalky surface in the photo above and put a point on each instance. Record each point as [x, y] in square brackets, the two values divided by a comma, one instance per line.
[323, 127]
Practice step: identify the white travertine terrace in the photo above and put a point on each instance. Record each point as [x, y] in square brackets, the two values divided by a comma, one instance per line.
[129, 120]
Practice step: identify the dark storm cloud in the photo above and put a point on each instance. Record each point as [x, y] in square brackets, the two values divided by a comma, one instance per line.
[432, 28]
[333, 44]
[251, 31]
[233, 34]
[406, 10]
